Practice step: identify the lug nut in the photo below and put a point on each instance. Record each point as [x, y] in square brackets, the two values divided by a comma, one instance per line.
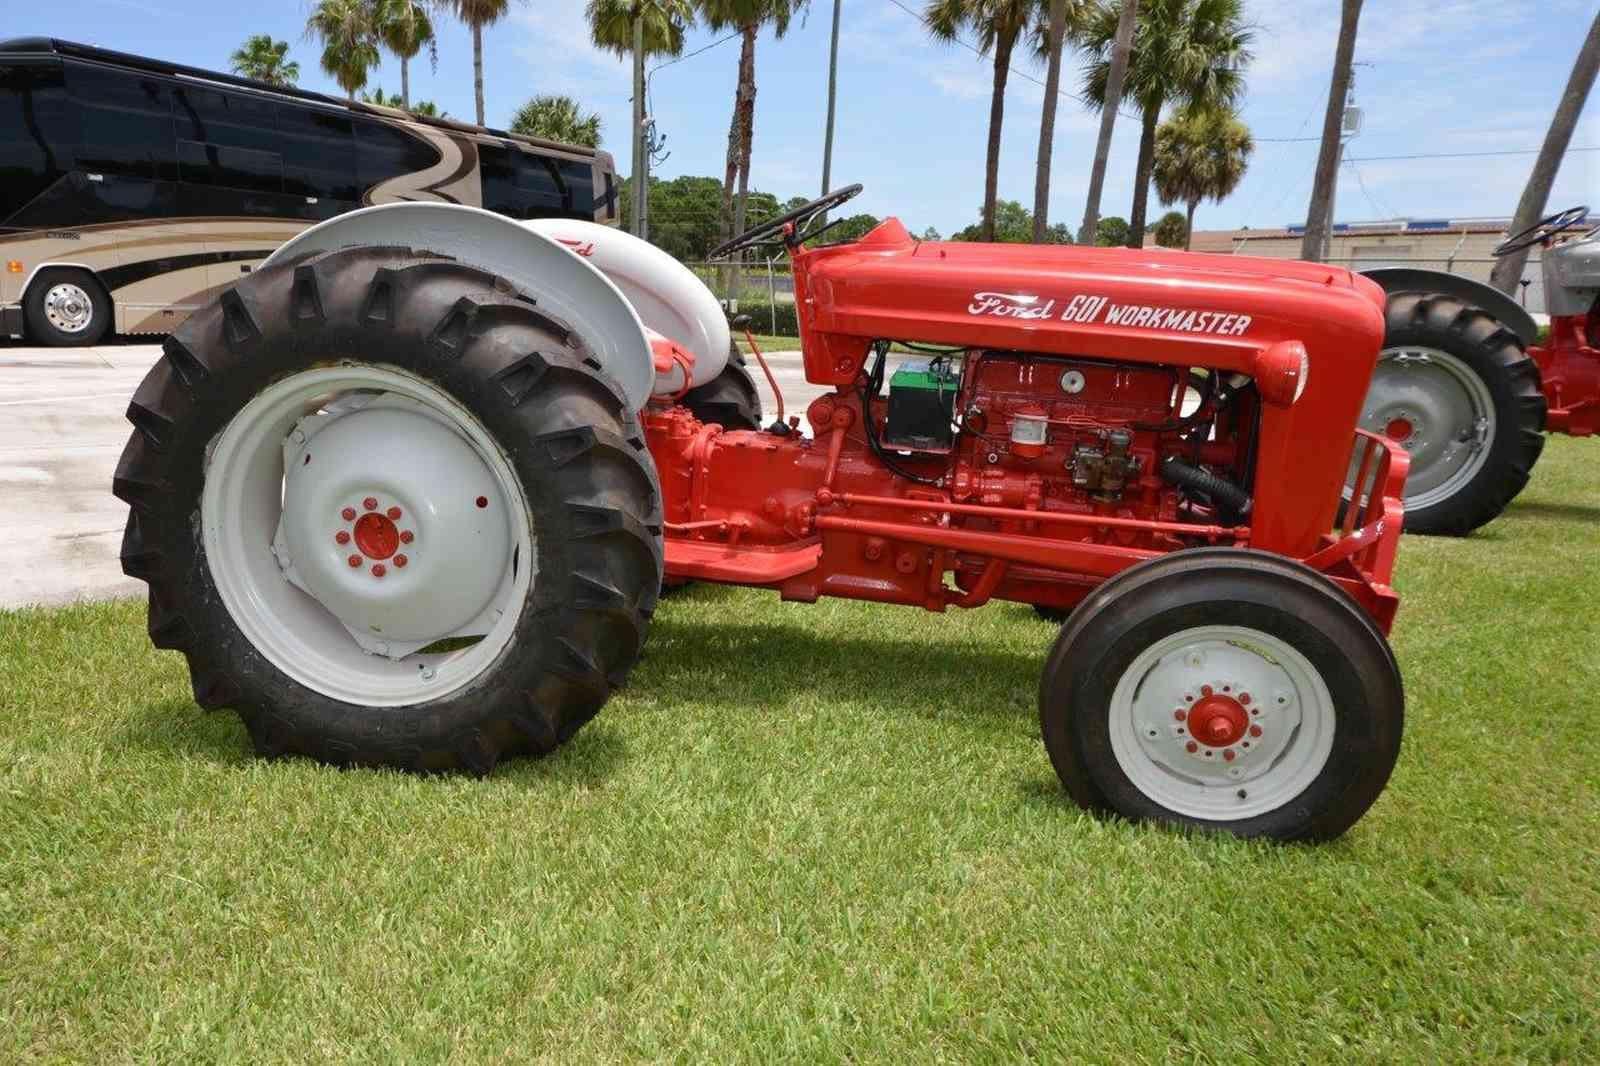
[370, 503]
[393, 512]
[1191, 746]
[1228, 755]
[1244, 698]
[1255, 731]
[354, 560]
[341, 537]
[348, 514]
[400, 560]
[406, 536]
[378, 569]
[1205, 690]
[1180, 714]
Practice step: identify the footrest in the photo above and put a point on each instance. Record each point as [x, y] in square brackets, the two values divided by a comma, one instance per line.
[742, 565]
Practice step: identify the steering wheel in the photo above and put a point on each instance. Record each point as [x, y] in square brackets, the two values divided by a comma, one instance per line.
[1543, 230]
[799, 218]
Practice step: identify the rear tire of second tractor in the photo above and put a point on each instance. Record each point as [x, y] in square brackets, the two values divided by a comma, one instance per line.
[391, 514]
[1456, 389]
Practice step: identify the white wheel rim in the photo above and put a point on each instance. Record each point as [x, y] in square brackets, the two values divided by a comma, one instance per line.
[1444, 411]
[396, 441]
[1282, 745]
[68, 308]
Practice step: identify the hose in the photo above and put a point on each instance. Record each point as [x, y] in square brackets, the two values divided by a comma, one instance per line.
[1219, 490]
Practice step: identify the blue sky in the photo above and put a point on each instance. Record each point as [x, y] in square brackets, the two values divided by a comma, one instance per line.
[1445, 76]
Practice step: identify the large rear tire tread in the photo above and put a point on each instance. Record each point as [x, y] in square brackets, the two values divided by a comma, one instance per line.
[1496, 354]
[730, 399]
[565, 429]
[1125, 612]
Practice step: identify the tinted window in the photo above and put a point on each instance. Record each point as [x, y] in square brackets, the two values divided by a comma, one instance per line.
[227, 139]
[36, 135]
[384, 152]
[319, 154]
[524, 185]
[579, 178]
[125, 122]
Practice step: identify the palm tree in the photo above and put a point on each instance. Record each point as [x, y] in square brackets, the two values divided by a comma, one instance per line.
[1508, 269]
[1184, 51]
[421, 107]
[997, 24]
[1314, 244]
[404, 28]
[1053, 43]
[656, 27]
[478, 14]
[748, 17]
[1201, 154]
[349, 43]
[557, 118]
[1116, 73]
[262, 58]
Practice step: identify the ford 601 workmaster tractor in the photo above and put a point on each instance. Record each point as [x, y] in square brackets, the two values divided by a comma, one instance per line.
[408, 494]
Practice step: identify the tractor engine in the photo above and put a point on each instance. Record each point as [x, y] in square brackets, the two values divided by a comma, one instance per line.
[1104, 453]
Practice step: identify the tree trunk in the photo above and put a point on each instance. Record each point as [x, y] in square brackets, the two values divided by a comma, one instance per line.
[1188, 231]
[1047, 120]
[744, 115]
[833, 89]
[477, 68]
[405, 83]
[1141, 175]
[997, 114]
[641, 180]
[1508, 270]
[1314, 243]
[1108, 118]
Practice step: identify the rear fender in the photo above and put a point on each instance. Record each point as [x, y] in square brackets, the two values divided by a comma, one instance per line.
[1509, 313]
[563, 284]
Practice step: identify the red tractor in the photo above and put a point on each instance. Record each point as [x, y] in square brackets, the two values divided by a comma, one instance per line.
[407, 495]
[1464, 385]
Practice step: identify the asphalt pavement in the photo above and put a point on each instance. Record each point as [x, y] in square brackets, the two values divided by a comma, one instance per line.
[61, 431]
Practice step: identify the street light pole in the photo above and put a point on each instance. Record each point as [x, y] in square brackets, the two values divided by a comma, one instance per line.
[833, 88]
[641, 179]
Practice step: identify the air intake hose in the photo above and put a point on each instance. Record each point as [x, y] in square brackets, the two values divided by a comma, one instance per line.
[1219, 490]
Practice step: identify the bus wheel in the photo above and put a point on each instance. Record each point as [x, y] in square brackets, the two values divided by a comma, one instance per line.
[66, 308]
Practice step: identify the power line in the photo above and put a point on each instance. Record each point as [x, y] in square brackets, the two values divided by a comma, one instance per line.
[1458, 155]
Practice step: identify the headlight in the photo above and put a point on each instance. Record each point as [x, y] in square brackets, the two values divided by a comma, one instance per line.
[1281, 372]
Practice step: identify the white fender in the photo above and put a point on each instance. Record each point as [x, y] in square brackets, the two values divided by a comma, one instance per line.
[567, 286]
[668, 296]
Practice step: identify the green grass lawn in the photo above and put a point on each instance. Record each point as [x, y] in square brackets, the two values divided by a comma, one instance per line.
[814, 834]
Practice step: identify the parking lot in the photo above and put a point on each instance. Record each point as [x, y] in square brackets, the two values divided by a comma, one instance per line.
[61, 430]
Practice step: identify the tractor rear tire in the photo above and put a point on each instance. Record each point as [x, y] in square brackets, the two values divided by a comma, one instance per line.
[1464, 398]
[580, 492]
[1223, 689]
[730, 399]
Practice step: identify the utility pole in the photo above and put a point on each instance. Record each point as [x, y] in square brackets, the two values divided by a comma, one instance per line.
[833, 91]
[641, 179]
[1314, 245]
[1349, 127]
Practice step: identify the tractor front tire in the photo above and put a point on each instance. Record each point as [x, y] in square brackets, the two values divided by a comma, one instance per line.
[518, 468]
[1457, 390]
[1223, 689]
[730, 399]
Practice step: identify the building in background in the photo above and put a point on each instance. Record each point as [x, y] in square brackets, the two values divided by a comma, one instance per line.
[1457, 246]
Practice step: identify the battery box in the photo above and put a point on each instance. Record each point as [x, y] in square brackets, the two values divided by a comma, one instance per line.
[922, 398]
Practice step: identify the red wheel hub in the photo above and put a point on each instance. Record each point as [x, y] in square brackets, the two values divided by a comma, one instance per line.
[376, 535]
[1218, 721]
[1399, 429]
